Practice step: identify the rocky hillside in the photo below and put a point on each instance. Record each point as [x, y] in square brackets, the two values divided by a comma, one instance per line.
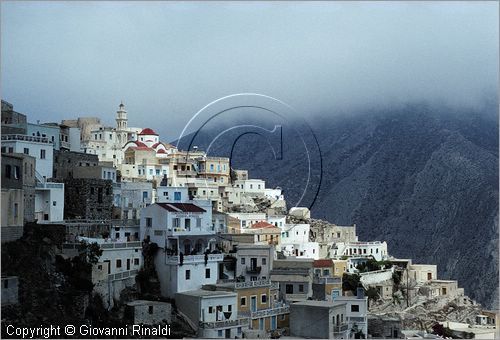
[423, 179]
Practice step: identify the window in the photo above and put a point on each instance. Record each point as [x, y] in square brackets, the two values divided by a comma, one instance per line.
[118, 263]
[210, 310]
[177, 196]
[289, 289]
[243, 301]
[17, 172]
[54, 203]
[188, 274]
[219, 333]
[187, 223]
[136, 262]
[99, 267]
[229, 308]
[150, 309]
[263, 298]
[354, 308]
[42, 154]
[242, 260]
[176, 222]
[211, 167]
[149, 222]
[301, 288]
[4, 149]
[5, 283]
[165, 193]
[16, 211]
[26, 151]
[207, 273]
[239, 330]
[198, 223]
[264, 261]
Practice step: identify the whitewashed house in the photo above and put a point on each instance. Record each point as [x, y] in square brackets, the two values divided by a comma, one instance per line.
[376, 249]
[183, 229]
[212, 313]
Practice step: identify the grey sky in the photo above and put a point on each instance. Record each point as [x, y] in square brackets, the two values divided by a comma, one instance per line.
[166, 60]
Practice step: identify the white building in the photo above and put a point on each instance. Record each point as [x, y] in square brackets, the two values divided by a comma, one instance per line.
[39, 147]
[108, 142]
[184, 231]
[278, 220]
[254, 262]
[49, 201]
[295, 233]
[356, 313]
[212, 313]
[253, 186]
[247, 219]
[376, 249]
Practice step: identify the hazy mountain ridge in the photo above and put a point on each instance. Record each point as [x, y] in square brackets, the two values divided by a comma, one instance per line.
[424, 180]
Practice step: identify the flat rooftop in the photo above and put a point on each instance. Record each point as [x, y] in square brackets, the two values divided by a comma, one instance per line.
[207, 293]
[319, 304]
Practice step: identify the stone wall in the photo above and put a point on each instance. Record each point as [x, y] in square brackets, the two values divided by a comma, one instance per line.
[65, 163]
[88, 198]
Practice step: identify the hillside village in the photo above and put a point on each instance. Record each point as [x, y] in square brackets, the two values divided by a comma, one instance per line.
[155, 235]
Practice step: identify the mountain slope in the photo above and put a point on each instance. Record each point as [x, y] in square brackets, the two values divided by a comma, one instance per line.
[423, 179]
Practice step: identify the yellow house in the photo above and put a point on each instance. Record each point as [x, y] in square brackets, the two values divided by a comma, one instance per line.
[259, 300]
[339, 267]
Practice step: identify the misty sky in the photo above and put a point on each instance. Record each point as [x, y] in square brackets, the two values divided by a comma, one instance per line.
[167, 60]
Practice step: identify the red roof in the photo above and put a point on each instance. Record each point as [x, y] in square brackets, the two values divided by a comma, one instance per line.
[155, 145]
[262, 224]
[322, 263]
[161, 151]
[139, 143]
[148, 131]
[181, 207]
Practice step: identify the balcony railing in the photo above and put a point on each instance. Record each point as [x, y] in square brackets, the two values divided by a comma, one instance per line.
[49, 185]
[175, 259]
[105, 245]
[328, 280]
[341, 328]
[270, 312]
[252, 284]
[224, 323]
[302, 296]
[122, 275]
[26, 138]
[254, 269]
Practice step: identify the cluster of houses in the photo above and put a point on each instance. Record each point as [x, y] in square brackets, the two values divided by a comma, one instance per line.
[234, 259]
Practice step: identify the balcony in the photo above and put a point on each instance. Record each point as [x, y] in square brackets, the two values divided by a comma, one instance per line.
[270, 312]
[328, 280]
[105, 245]
[224, 323]
[49, 185]
[26, 138]
[252, 284]
[340, 328]
[254, 270]
[122, 275]
[175, 259]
